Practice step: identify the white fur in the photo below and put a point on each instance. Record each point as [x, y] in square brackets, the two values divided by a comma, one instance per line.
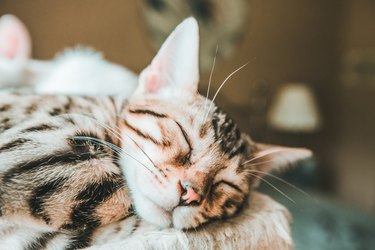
[11, 73]
[146, 123]
[78, 71]
[16, 233]
[151, 202]
[83, 71]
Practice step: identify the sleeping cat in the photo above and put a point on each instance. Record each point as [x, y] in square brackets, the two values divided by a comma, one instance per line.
[185, 162]
[75, 71]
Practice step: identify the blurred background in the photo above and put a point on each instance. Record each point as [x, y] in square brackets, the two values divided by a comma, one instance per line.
[310, 81]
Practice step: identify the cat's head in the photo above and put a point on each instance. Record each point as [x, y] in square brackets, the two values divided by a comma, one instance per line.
[186, 162]
[75, 71]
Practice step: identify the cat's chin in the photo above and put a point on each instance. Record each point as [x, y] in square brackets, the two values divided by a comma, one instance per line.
[181, 217]
[151, 212]
[152, 202]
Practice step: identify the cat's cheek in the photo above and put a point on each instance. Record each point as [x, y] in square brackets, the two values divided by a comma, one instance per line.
[146, 186]
[135, 173]
[187, 217]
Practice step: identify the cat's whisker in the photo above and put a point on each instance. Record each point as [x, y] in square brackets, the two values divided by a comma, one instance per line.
[283, 181]
[110, 145]
[259, 163]
[117, 159]
[114, 158]
[263, 154]
[117, 135]
[220, 87]
[147, 156]
[113, 147]
[139, 147]
[99, 143]
[209, 81]
[135, 143]
[119, 152]
[273, 186]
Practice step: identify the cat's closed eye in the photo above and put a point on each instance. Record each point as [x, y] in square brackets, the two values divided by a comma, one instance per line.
[229, 184]
[183, 159]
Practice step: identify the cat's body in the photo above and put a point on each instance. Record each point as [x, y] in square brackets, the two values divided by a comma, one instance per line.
[73, 164]
[52, 171]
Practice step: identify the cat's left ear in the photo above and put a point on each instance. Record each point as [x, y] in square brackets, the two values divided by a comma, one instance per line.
[176, 63]
[266, 158]
[15, 41]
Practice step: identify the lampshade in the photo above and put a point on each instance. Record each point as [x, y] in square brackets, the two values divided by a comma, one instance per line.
[294, 109]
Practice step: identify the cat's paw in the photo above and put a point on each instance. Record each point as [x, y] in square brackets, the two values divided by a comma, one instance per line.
[187, 217]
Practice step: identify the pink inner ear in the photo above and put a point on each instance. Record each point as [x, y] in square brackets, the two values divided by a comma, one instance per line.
[9, 47]
[154, 83]
[14, 39]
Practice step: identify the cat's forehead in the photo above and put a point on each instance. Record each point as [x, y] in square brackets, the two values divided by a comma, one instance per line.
[201, 118]
[194, 106]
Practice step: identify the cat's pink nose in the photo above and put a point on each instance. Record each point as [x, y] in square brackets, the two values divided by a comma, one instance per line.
[189, 195]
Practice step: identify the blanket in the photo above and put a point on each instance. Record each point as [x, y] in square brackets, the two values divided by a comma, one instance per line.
[262, 224]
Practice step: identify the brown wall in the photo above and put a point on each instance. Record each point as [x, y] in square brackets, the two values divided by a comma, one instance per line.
[113, 27]
[284, 40]
[355, 142]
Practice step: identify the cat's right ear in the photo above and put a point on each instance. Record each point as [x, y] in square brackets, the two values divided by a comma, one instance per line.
[15, 42]
[265, 158]
[176, 65]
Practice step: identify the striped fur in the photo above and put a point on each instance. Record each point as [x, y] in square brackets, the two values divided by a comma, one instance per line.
[71, 166]
[69, 185]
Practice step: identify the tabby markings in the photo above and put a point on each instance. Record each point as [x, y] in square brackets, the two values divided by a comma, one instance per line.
[41, 241]
[227, 133]
[135, 227]
[145, 136]
[5, 107]
[58, 158]
[148, 112]
[42, 127]
[83, 219]
[184, 159]
[41, 194]
[55, 112]
[31, 109]
[230, 184]
[5, 124]
[13, 144]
